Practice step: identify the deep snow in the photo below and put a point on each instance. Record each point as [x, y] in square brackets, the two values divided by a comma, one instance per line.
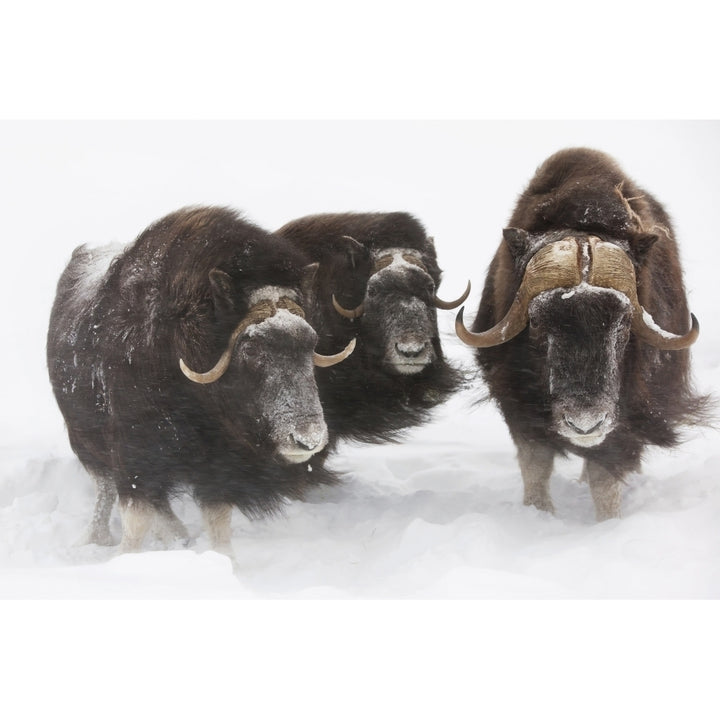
[437, 516]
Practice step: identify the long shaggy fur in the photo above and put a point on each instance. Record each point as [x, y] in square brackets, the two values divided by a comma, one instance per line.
[584, 190]
[113, 347]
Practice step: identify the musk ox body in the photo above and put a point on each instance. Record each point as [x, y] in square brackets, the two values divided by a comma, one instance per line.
[376, 282]
[583, 327]
[185, 362]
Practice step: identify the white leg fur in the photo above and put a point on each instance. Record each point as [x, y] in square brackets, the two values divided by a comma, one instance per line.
[606, 491]
[98, 531]
[137, 518]
[536, 464]
[218, 521]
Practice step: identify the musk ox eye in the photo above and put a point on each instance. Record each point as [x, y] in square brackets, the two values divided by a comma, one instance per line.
[251, 353]
[427, 292]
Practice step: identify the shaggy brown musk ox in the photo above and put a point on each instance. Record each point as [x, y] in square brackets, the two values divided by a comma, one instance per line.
[583, 327]
[185, 362]
[377, 281]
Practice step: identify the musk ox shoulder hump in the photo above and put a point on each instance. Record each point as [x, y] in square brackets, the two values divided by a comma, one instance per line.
[81, 280]
[583, 189]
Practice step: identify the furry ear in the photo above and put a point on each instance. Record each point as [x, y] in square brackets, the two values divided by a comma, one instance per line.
[517, 241]
[642, 243]
[342, 247]
[223, 292]
[307, 282]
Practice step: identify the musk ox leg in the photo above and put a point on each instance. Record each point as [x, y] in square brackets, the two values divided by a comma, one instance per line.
[218, 521]
[536, 464]
[137, 518]
[606, 490]
[98, 532]
[169, 527]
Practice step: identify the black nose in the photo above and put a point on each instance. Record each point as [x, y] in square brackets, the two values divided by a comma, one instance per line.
[305, 443]
[410, 349]
[310, 437]
[586, 428]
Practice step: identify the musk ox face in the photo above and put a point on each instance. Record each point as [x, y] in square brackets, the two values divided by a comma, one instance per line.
[399, 316]
[266, 378]
[579, 295]
[275, 358]
[579, 337]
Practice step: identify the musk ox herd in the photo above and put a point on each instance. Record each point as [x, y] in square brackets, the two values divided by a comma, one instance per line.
[213, 357]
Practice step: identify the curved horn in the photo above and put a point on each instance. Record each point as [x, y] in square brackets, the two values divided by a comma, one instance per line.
[646, 329]
[445, 305]
[211, 375]
[349, 314]
[555, 265]
[259, 312]
[612, 268]
[329, 360]
[511, 325]
[221, 365]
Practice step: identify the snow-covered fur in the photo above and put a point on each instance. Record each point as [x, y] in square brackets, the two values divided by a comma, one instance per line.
[398, 371]
[142, 428]
[577, 364]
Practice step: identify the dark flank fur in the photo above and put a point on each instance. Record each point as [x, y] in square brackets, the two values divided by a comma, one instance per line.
[361, 400]
[584, 190]
[113, 362]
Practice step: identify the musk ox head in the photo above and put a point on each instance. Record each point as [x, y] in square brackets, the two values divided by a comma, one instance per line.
[263, 384]
[578, 295]
[399, 317]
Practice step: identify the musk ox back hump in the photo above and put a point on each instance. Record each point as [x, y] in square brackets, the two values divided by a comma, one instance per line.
[584, 189]
[175, 255]
[317, 234]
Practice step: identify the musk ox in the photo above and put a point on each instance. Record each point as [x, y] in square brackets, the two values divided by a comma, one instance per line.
[185, 362]
[583, 327]
[376, 282]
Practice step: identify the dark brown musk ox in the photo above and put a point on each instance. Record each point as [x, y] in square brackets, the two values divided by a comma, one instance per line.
[377, 280]
[583, 327]
[185, 363]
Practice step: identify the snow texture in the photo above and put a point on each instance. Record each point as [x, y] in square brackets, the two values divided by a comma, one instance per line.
[398, 261]
[649, 320]
[585, 288]
[271, 292]
[437, 516]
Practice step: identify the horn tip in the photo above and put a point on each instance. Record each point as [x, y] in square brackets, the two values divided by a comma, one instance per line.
[451, 305]
[460, 323]
[694, 330]
[187, 372]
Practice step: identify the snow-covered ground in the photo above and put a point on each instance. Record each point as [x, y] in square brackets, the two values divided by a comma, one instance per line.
[438, 516]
